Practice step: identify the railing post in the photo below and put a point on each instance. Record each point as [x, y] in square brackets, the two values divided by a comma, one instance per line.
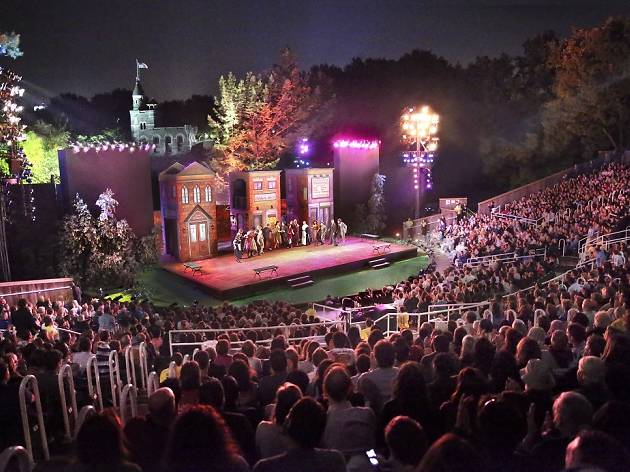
[65, 377]
[114, 377]
[85, 413]
[144, 366]
[29, 386]
[94, 381]
[153, 383]
[129, 392]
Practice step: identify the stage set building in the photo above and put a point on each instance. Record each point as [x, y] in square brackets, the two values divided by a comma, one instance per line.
[309, 194]
[189, 211]
[196, 208]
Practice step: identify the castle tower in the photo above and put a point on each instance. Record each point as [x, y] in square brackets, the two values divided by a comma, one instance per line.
[142, 115]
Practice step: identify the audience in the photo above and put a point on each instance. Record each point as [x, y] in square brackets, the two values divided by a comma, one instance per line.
[536, 379]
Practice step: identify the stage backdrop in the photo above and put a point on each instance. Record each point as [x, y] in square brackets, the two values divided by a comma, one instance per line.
[356, 162]
[127, 171]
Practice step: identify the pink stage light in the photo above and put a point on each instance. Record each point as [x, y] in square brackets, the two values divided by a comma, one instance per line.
[356, 144]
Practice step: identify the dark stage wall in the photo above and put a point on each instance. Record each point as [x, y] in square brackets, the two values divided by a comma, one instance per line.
[128, 173]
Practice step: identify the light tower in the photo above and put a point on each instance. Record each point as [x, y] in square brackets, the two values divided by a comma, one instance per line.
[419, 133]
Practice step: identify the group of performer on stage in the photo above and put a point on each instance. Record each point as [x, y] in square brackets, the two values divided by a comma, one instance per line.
[279, 235]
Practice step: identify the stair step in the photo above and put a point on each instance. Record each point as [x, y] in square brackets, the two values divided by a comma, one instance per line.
[303, 284]
[381, 265]
[299, 279]
[376, 261]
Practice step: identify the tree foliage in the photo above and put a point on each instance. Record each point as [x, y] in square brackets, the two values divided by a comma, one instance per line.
[259, 116]
[103, 251]
[41, 145]
[376, 212]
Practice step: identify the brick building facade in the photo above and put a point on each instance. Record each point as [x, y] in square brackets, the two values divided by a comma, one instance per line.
[309, 194]
[189, 211]
[254, 198]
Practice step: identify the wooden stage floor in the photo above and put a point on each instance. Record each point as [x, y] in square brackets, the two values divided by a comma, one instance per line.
[225, 278]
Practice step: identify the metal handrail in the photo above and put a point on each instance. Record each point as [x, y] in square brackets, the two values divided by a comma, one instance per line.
[85, 413]
[114, 377]
[144, 366]
[69, 331]
[130, 366]
[153, 383]
[26, 292]
[236, 330]
[94, 382]
[505, 257]
[172, 370]
[562, 242]
[129, 392]
[15, 454]
[65, 377]
[29, 385]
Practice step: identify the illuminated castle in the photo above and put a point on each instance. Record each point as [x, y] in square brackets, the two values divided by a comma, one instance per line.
[168, 139]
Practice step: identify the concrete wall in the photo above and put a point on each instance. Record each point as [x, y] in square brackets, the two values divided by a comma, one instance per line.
[127, 173]
[354, 169]
[536, 186]
[55, 289]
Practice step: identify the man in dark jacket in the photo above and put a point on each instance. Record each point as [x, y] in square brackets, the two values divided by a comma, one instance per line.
[23, 321]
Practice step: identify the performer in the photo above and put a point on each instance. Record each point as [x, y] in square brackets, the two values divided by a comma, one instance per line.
[343, 229]
[260, 240]
[424, 228]
[283, 234]
[333, 231]
[249, 243]
[338, 232]
[304, 229]
[236, 244]
[322, 232]
[267, 237]
[315, 232]
[275, 236]
[291, 234]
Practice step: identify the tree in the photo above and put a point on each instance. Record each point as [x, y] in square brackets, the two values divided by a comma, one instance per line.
[376, 213]
[77, 241]
[592, 91]
[10, 45]
[103, 252]
[259, 117]
[41, 146]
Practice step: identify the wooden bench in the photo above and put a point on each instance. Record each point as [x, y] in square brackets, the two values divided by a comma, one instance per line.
[194, 267]
[381, 248]
[272, 268]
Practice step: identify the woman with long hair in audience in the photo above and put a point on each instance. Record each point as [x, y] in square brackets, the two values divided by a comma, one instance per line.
[201, 442]
[99, 446]
[410, 398]
[247, 388]
[270, 437]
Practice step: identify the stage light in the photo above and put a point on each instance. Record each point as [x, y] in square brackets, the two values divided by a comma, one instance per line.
[420, 127]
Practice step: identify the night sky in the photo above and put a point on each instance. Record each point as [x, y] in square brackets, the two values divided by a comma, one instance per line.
[90, 46]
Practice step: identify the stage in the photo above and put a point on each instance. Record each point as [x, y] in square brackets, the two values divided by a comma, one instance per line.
[225, 278]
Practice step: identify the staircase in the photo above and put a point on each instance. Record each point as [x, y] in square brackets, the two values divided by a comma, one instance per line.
[379, 263]
[299, 282]
[567, 262]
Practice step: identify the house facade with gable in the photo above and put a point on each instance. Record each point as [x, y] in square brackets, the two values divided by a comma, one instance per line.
[189, 211]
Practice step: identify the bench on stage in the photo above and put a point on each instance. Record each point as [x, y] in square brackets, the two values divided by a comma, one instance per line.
[381, 248]
[194, 267]
[260, 270]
